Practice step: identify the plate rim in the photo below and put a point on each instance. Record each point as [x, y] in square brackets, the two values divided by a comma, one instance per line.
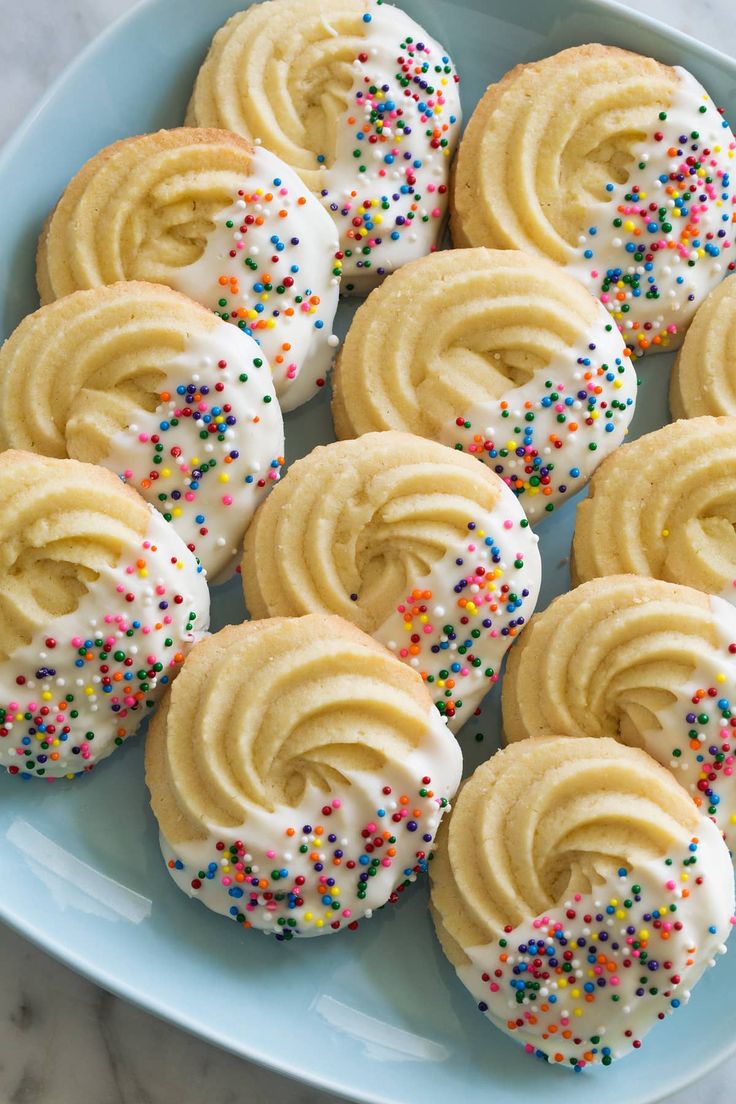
[96, 973]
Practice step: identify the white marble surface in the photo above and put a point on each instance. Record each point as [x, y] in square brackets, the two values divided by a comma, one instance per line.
[63, 1040]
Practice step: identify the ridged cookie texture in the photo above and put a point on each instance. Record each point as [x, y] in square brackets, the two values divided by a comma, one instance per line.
[650, 663]
[704, 376]
[497, 353]
[564, 893]
[150, 384]
[100, 601]
[417, 544]
[360, 101]
[298, 772]
[613, 165]
[206, 213]
[665, 506]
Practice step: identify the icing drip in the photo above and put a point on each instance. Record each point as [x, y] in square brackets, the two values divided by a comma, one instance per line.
[84, 683]
[545, 438]
[387, 188]
[584, 982]
[458, 620]
[359, 848]
[694, 736]
[657, 245]
[208, 453]
[270, 267]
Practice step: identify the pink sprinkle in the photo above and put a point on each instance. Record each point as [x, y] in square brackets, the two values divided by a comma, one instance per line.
[508, 525]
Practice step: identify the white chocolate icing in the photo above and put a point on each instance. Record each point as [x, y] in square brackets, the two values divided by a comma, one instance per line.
[584, 982]
[546, 438]
[487, 585]
[654, 269]
[700, 751]
[279, 275]
[329, 862]
[390, 202]
[208, 488]
[84, 683]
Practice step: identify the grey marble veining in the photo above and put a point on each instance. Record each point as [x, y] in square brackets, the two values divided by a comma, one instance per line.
[63, 1040]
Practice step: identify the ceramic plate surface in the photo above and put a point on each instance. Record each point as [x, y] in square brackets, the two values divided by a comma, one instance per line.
[377, 1014]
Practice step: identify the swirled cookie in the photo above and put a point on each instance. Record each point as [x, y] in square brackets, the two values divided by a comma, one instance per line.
[616, 167]
[704, 376]
[100, 601]
[497, 353]
[665, 506]
[650, 663]
[153, 386]
[415, 543]
[298, 772]
[360, 101]
[205, 213]
[564, 895]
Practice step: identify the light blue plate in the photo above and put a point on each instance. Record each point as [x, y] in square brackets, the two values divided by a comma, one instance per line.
[376, 1015]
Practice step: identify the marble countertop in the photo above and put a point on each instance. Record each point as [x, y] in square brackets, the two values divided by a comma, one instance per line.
[51, 1018]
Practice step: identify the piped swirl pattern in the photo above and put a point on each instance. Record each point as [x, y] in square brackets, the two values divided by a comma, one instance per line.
[284, 742]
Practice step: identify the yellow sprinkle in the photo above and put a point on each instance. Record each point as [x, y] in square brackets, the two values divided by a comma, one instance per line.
[665, 532]
[165, 473]
[721, 677]
[224, 477]
[46, 695]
